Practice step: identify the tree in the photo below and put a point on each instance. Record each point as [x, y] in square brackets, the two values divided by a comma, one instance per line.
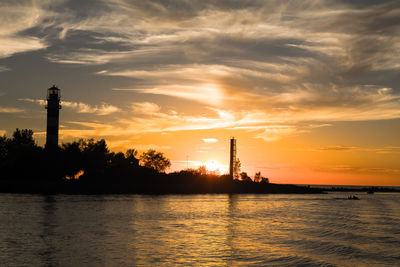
[264, 180]
[72, 157]
[260, 179]
[245, 177]
[154, 160]
[131, 157]
[257, 177]
[202, 170]
[96, 152]
[23, 137]
[95, 156]
[22, 157]
[3, 148]
[236, 169]
[117, 159]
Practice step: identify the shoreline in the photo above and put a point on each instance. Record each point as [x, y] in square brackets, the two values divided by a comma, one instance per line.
[75, 187]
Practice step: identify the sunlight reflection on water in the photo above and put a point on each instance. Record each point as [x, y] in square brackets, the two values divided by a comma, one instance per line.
[214, 230]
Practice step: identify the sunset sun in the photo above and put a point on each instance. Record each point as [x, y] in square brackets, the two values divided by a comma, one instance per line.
[214, 165]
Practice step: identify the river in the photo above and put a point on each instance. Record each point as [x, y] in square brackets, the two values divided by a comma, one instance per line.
[200, 230]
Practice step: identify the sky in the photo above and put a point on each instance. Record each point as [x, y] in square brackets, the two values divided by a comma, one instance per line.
[310, 89]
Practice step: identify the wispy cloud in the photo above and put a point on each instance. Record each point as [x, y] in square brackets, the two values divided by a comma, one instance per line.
[210, 140]
[102, 109]
[151, 146]
[357, 169]
[270, 67]
[88, 57]
[339, 148]
[377, 150]
[3, 68]
[38, 101]
[305, 59]
[148, 118]
[10, 110]
[146, 108]
[273, 133]
[204, 93]
[14, 19]
[13, 45]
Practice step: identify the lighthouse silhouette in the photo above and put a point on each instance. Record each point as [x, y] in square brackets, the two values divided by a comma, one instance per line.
[53, 111]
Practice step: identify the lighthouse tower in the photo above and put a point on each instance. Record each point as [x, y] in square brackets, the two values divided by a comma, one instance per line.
[53, 110]
[232, 159]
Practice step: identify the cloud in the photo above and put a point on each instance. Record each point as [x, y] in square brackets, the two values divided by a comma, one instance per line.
[3, 68]
[210, 140]
[10, 110]
[38, 101]
[87, 57]
[103, 109]
[15, 18]
[273, 51]
[339, 148]
[151, 146]
[204, 93]
[273, 133]
[148, 118]
[357, 169]
[10, 46]
[377, 150]
[270, 67]
[146, 108]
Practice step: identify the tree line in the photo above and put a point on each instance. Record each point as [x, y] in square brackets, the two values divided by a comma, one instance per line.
[88, 166]
[22, 158]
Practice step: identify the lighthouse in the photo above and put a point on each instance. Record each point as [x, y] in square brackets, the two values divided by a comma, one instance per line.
[53, 110]
[232, 159]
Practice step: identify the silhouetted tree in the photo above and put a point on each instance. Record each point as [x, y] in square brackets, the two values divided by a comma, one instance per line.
[154, 160]
[95, 169]
[95, 153]
[118, 160]
[72, 157]
[244, 177]
[260, 179]
[23, 137]
[264, 180]
[191, 172]
[131, 157]
[95, 158]
[21, 155]
[236, 169]
[3, 148]
[202, 170]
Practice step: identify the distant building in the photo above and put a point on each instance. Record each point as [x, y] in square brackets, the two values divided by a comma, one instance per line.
[232, 161]
[53, 110]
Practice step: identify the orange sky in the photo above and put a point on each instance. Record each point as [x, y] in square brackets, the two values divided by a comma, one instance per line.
[310, 89]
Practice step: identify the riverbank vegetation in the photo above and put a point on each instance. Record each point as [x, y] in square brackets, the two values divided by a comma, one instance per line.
[88, 166]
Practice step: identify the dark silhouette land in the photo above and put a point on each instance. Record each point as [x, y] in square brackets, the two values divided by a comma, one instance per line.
[88, 167]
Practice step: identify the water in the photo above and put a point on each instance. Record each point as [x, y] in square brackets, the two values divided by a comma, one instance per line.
[200, 230]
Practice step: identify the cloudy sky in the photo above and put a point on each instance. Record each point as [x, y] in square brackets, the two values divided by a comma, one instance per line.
[311, 89]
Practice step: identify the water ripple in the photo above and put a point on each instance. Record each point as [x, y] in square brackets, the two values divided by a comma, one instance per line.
[205, 230]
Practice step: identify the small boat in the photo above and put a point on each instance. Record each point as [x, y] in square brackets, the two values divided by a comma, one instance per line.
[353, 197]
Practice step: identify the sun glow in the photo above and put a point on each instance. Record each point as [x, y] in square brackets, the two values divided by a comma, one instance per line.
[215, 166]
